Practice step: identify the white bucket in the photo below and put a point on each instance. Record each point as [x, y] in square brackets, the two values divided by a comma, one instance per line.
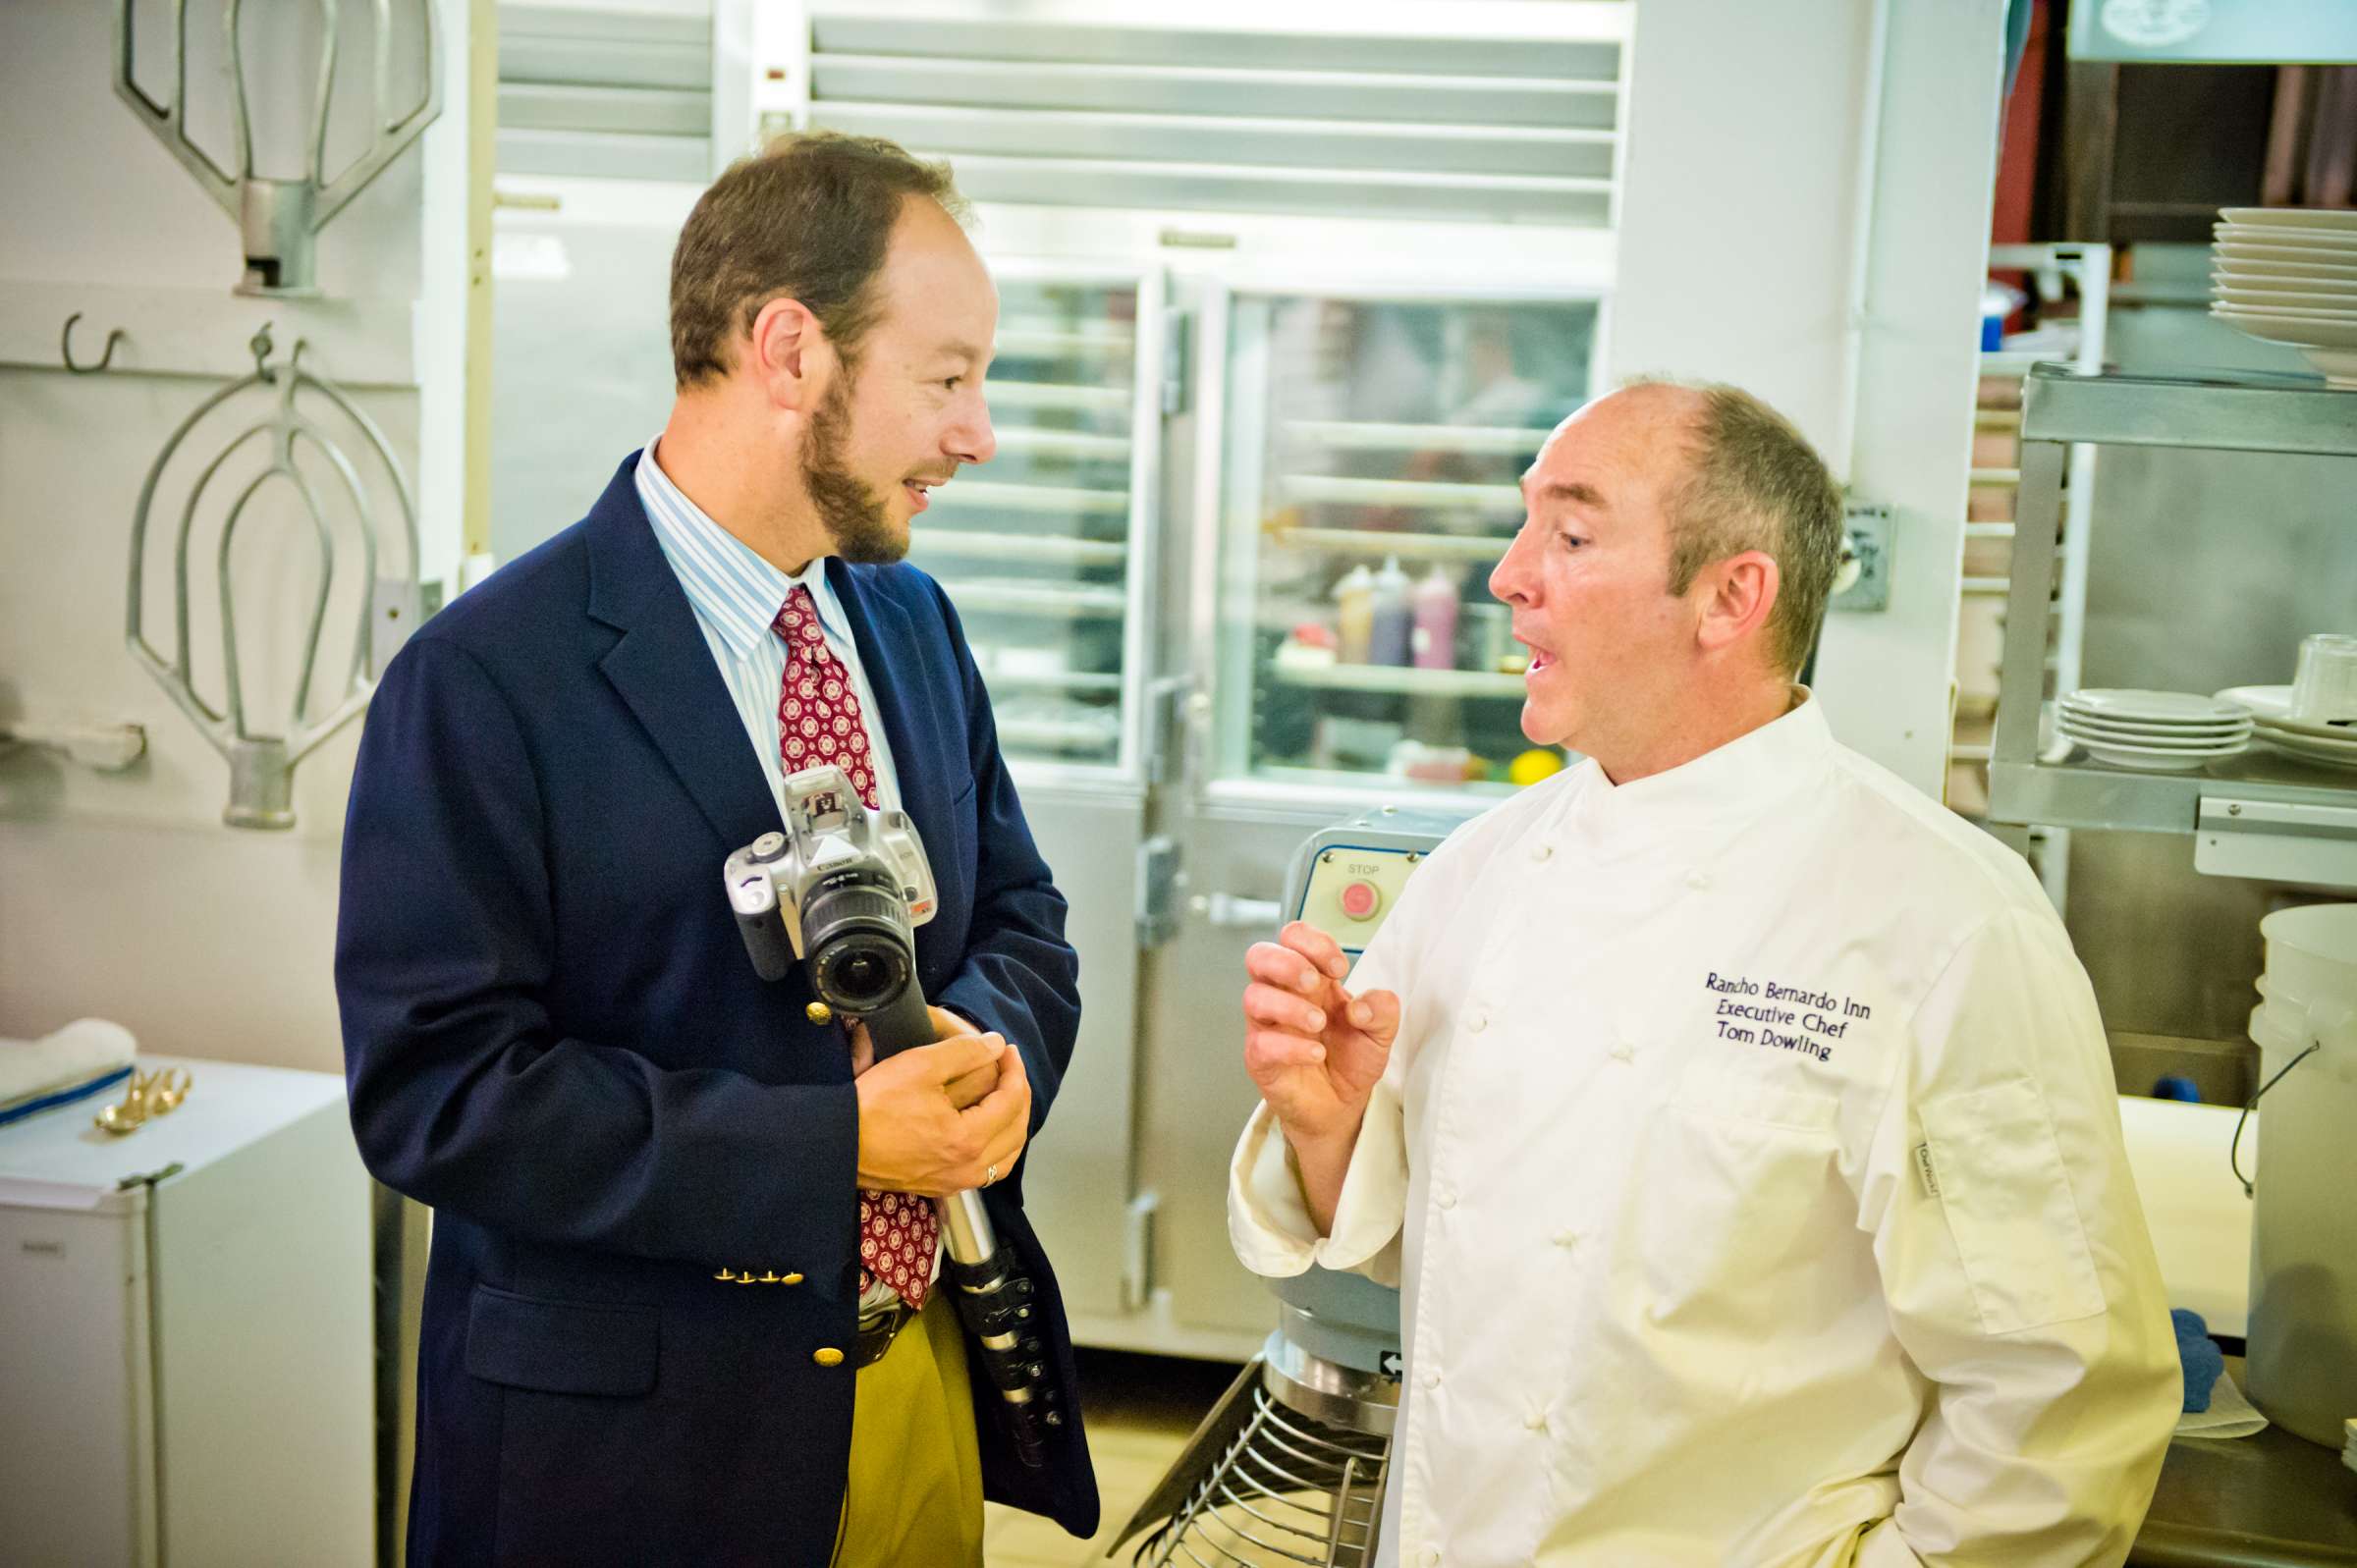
[2302, 1366]
[2312, 952]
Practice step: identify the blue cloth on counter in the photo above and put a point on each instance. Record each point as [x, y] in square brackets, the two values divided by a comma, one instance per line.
[2175, 1087]
[2199, 1355]
[62, 1097]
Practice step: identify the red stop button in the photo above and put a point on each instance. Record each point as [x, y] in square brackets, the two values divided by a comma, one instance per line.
[1360, 899]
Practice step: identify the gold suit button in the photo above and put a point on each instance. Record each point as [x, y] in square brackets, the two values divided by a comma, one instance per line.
[827, 1356]
[790, 1280]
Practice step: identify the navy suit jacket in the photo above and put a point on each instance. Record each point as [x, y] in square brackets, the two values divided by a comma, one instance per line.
[554, 1038]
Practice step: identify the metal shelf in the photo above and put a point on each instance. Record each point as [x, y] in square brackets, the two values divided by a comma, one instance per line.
[2238, 413]
[1057, 395]
[2091, 795]
[1045, 549]
[1481, 548]
[1062, 443]
[1396, 678]
[1050, 601]
[1399, 491]
[1017, 338]
[988, 495]
[1351, 436]
[1005, 681]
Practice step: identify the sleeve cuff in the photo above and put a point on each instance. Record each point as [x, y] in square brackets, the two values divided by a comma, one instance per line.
[1268, 1219]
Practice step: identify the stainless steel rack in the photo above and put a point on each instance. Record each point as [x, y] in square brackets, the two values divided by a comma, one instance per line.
[2260, 813]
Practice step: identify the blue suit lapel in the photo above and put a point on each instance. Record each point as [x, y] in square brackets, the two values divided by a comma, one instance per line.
[663, 670]
[892, 653]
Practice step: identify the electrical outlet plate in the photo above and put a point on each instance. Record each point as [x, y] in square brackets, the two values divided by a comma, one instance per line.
[1865, 579]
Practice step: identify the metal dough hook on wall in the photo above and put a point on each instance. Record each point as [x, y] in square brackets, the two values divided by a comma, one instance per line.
[261, 766]
[280, 219]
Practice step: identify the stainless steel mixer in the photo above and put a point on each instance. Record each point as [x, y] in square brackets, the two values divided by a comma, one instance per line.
[280, 219]
[1289, 1467]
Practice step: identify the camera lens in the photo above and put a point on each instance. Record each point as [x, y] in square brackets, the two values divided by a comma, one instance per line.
[858, 937]
[862, 974]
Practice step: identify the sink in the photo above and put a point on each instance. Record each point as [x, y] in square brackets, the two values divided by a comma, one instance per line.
[2222, 1072]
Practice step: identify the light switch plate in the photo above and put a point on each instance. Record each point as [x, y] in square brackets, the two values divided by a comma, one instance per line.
[1865, 579]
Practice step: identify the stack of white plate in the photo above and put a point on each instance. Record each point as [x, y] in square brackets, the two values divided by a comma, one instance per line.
[2168, 732]
[2332, 744]
[2289, 275]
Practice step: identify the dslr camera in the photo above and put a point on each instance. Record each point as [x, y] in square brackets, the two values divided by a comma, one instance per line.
[842, 889]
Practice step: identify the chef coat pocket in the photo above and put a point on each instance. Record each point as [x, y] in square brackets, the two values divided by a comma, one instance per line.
[1997, 1169]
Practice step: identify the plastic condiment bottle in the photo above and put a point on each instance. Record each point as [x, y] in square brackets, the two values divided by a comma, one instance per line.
[1434, 605]
[1388, 643]
[1355, 617]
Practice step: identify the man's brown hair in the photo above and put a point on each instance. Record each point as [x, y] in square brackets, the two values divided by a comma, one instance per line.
[1753, 483]
[807, 218]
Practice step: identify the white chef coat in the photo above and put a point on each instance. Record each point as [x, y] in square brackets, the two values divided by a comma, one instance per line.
[1751, 1157]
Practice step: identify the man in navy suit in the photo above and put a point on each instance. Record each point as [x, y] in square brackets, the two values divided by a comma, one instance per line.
[649, 1338]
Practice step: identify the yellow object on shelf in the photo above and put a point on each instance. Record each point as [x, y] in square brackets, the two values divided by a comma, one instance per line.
[1533, 765]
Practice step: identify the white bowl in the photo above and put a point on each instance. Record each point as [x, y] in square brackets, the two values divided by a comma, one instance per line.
[2300, 327]
[2323, 218]
[2158, 742]
[2101, 722]
[2298, 302]
[2324, 753]
[2140, 705]
[2245, 252]
[2282, 274]
[2271, 709]
[2296, 274]
[2148, 759]
[2312, 240]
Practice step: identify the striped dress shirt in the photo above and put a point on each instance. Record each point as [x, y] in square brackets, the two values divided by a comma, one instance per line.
[736, 596]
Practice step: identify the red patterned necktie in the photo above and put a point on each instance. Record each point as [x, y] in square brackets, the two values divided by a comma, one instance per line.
[819, 722]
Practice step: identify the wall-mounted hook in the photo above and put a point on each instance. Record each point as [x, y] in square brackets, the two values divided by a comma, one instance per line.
[106, 355]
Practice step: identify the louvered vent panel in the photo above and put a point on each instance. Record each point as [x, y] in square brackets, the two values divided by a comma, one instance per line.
[1309, 123]
[601, 92]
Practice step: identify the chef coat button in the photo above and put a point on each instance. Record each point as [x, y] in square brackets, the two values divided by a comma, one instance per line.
[1432, 1380]
[1622, 1050]
[1536, 1420]
[1565, 1238]
[1698, 880]
[1478, 1022]
[827, 1356]
[1430, 1558]
[1541, 850]
[1445, 1198]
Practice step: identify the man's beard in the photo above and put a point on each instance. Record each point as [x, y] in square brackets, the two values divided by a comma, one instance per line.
[852, 513]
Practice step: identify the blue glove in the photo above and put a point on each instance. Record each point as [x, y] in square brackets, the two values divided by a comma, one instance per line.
[2199, 1355]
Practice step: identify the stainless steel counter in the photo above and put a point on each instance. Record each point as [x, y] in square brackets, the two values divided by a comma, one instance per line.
[2272, 1500]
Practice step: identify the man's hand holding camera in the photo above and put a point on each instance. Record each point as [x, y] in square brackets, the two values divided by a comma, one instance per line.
[1316, 1052]
[941, 1118]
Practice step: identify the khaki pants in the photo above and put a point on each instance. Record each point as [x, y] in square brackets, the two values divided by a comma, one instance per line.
[915, 1492]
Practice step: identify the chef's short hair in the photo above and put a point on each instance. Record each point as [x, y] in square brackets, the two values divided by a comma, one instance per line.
[807, 218]
[1754, 482]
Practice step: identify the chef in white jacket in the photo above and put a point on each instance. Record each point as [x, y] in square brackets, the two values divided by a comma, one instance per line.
[1737, 1121]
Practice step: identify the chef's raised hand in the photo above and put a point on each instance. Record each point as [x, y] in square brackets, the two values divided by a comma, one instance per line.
[1315, 1050]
